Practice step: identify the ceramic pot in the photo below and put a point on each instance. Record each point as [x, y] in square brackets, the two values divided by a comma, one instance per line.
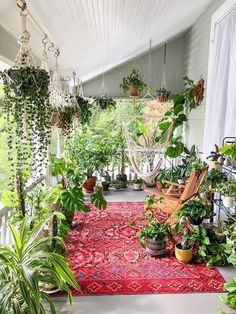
[183, 256]
[123, 180]
[195, 222]
[137, 186]
[228, 201]
[90, 184]
[155, 248]
[133, 91]
[105, 186]
[214, 165]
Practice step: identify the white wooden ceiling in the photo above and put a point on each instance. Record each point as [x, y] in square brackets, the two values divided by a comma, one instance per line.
[96, 35]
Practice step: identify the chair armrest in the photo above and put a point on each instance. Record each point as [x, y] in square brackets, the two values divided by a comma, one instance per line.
[174, 183]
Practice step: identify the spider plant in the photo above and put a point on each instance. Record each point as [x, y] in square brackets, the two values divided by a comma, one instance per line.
[26, 265]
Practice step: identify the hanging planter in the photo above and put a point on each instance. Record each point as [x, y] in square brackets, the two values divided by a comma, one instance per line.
[163, 95]
[105, 102]
[66, 115]
[27, 112]
[133, 84]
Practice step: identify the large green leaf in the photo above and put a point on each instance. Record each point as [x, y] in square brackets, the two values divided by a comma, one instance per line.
[98, 199]
[73, 199]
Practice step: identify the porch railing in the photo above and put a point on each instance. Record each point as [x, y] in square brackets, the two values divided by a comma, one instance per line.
[6, 212]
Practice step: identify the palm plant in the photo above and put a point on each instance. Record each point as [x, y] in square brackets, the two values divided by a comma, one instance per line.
[26, 265]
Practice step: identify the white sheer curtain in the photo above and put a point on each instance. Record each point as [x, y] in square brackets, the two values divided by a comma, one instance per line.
[220, 118]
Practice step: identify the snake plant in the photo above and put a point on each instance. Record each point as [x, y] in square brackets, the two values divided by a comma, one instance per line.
[26, 265]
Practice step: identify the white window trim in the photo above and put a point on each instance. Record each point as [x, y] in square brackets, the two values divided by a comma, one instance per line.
[219, 15]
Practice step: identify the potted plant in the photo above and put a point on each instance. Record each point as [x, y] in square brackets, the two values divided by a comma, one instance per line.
[85, 107]
[231, 243]
[228, 192]
[132, 84]
[216, 160]
[195, 211]
[229, 150]
[163, 95]
[66, 115]
[105, 102]
[138, 183]
[122, 158]
[230, 300]
[117, 184]
[184, 249]
[105, 185]
[213, 178]
[153, 237]
[26, 266]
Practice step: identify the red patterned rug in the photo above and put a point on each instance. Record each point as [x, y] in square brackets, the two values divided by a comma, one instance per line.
[107, 258]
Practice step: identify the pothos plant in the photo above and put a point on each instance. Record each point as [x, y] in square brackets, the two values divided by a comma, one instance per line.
[105, 102]
[85, 105]
[27, 112]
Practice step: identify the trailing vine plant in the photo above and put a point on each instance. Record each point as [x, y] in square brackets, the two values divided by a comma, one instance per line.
[27, 112]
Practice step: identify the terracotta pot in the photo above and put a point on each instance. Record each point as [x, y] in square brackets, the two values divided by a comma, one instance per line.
[162, 97]
[159, 185]
[183, 256]
[155, 247]
[133, 91]
[90, 184]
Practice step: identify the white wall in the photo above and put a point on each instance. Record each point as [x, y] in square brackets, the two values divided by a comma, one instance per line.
[174, 70]
[197, 42]
[8, 46]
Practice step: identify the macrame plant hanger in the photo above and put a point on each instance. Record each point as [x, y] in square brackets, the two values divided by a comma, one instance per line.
[149, 72]
[146, 160]
[24, 57]
[103, 90]
[163, 81]
[57, 97]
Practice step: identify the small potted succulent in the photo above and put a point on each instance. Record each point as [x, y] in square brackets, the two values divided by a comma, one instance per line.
[153, 236]
[228, 192]
[184, 249]
[132, 84]
[138, 183]
[163, 95]
[195, 211]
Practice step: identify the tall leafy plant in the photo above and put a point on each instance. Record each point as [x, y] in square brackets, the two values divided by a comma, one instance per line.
[26, 266]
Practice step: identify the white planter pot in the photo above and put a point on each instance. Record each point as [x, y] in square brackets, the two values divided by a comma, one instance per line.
[203, 196]
[137, 186]
[228, 201]
[215, 165]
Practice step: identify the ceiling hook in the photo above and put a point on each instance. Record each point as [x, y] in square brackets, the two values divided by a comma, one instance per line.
[51, 47]
[45, 40]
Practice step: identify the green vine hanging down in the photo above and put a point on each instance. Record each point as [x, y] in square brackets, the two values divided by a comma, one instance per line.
[27, 112]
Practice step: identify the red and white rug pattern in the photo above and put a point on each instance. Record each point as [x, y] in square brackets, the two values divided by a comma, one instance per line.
[107, 258]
